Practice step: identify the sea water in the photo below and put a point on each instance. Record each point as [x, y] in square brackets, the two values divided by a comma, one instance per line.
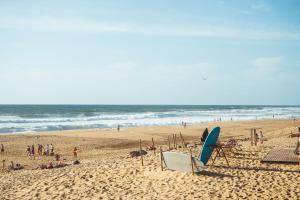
[31, 118]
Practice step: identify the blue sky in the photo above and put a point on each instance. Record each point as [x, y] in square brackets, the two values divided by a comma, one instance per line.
[150, 52]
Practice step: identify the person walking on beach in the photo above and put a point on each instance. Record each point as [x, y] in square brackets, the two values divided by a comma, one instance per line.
[2, 148]
[118, 128]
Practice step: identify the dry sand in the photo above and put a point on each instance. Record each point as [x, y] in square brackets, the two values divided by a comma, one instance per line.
[107, 172]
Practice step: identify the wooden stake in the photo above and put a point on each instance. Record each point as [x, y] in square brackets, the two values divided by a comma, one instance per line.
[141, 153]
[161, 160]
[153, 147]
[175, 141]
[183, 142]
[3, 165]
[192, 161]
[169, 142]
[255, 137]
[251, 132]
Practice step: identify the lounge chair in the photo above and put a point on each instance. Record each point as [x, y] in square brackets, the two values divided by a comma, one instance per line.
[186, 162]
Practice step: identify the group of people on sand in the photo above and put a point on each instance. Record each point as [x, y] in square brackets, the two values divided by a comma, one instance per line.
[30, 151]
[48, 150]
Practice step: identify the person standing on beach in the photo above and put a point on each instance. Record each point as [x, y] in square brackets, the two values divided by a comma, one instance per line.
[261, 137]
[52, 149]
[32, 152]
[28, 150]
[75, 151]
[2, 148]
[47, 150]
[118, 128]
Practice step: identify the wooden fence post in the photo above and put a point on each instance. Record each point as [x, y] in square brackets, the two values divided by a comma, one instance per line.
[153, 147]
[141, 153]
[161, 160]
[192, 161]
[183, 142]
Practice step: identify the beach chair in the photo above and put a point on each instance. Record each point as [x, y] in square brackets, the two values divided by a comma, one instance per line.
[184, 162]
[231, 145]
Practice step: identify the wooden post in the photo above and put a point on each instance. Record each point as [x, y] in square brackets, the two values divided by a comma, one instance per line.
[175, 141]
[161, 159]
[12, 165]
[183, 142]
[169, 143]
[153, 147]
[3, 165]
[255, 137]
[141, 153]
[173, 137]
[192, 161]
[251, 132]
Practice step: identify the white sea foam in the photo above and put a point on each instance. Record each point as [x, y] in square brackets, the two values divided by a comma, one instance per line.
[11, 123]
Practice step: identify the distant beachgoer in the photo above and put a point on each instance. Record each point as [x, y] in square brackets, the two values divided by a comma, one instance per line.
[2, 148]
[40, 149]
[50, 165]
[28, 150]
[32, 152]
[261, 137]
[204, 135]
[184, 125]
[118, 128]
[51, 149]
[75, 151]
[47, 150]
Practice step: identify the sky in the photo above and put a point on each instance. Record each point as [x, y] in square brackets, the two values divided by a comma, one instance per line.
[150, 52]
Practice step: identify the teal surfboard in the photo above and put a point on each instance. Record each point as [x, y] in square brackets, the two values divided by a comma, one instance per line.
[208, 146]
[181, 162]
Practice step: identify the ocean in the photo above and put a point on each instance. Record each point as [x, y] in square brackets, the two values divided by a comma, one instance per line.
[33, 118]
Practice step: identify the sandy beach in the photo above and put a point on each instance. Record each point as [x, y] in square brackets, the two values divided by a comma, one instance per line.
[106, 171]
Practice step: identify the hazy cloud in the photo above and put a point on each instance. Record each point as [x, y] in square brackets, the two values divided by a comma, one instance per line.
[54, 24]
[267, 64]
[261, 6]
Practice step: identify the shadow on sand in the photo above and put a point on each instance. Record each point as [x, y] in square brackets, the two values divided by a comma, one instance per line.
[214, 174]
[256, 169]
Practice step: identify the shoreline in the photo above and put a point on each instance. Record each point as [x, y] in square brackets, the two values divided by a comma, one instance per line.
[145, 126]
